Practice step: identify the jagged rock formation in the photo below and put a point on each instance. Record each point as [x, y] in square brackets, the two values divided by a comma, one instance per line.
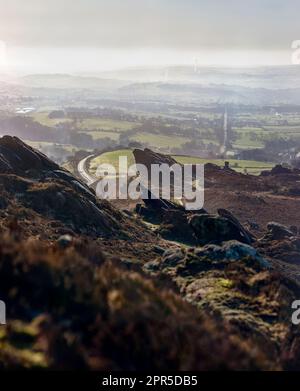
[29, 181]
[216, 229]
[280, 170]
[175, 223]
[277, 232]
[237, 285]
[17, 157]
[148, 157]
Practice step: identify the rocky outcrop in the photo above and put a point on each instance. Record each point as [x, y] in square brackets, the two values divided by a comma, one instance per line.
[278, 170]
[31, 183]
[147, 157]
[277, 231]
[282, 246]
[216, 229]
[238, 286]
[16, 157]
[175, 223]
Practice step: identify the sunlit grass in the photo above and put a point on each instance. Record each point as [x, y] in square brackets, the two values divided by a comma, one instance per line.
[159, 140]
[105, 124]
[252, 167]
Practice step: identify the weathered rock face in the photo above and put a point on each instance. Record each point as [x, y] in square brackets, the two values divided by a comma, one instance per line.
[277, 232]
[282, 246]
[171, 218]
[201, 259]
[17, 157]
[238, 286]
[30, 182]
[148, 157]
[216, 229]
[175, 223]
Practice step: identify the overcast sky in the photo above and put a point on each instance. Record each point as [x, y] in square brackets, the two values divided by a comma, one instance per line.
[141, 31]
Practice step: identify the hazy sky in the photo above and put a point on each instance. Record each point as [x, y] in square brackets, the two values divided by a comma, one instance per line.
[139, 32]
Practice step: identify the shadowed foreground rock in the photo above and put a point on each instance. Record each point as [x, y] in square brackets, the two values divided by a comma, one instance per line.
[67, 312]
[238, 286]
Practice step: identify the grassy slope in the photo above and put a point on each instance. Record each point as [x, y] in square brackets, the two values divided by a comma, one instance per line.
[43, 119]
[111, 158]
[106, 124]
[252, 167]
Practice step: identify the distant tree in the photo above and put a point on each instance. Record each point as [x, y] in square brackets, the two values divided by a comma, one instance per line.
[56, 114]
[134, 144]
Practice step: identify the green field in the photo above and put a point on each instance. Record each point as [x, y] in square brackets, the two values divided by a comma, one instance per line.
[259, 128]
[249, 130]
[254, 137]
[100, 134]
[283, 130]
[252, 167]
[159, 140]
[43, 119]
[105, 124]
[112, 158]
[40, 145]
[249, 138]
[92, 124]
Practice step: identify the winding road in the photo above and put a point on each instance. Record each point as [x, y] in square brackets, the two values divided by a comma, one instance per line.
[81, 168]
